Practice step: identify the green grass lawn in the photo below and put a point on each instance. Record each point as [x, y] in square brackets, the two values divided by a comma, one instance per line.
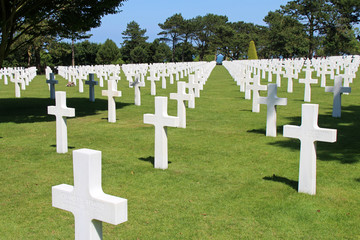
[225, 180]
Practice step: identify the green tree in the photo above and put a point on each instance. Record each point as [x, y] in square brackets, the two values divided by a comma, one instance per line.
[252, 51]
[312, 14]
[48, 17]
[173, 29]
[108, 53]
[139, 55]
[86, 53]
[133, 37]
[159, 52]
[286, 36]
[205, 31]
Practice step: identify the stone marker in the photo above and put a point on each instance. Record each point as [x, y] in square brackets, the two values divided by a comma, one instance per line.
[153, 78]
[161, 120]
[61, 111]
[181, 96]
[86, 199]
[52, 83]
[137, 84]
[309, 133]
[17, 80]
[111, 93]
[194, 89]
[337, 89]
[272, 101]
[256, 87]
[91, 84]
[308, 81]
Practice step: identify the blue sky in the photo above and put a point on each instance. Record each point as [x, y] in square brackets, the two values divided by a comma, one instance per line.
[148, 14]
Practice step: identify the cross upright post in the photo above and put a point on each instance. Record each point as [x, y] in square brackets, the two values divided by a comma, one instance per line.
[309, 133]
[91, 84]
[338, 90]
[111, 93]
[181, 96]
[308, 81]
[86, 199]
[271, 101]
[17, 80]
[161, 120]
[61, 111]
[52, 83]
[136, 85]
[152, 78]
[256, 87]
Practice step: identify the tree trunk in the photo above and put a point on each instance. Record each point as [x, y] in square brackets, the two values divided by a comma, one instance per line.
[173, 50]
[29, 56]
[72, 53]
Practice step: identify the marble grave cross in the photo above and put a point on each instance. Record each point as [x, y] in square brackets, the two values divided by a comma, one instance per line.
[256, 87]
[153, 78]
[272, 101]
[136, 85]
[308, 81]
[181, 96]
[86, 199]
[111, 93]
[309, 133]
[91, 84]
[61, 111]
[161, 120]
[52, 83]
[337, 89]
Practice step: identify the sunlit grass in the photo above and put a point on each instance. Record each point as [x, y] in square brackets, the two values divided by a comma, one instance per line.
[225, 180]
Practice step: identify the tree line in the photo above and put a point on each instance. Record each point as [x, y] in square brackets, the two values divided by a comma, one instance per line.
[301, 28]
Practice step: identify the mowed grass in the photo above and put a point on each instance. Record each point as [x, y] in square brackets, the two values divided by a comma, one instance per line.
[226, 179]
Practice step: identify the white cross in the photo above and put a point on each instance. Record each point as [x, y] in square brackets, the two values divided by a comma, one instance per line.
[181, 96]
[86, 199]
[161, 120]
[153, 78]
[17, 80]
[111, 93]
[61, 111]
[308, 81]
[256, 87]
[163, 75]
[289, 73]
[309, 133]
[323, 72]
[194, 89]
[137, 84]
[337, 89]
[271, 101]
[278, 71]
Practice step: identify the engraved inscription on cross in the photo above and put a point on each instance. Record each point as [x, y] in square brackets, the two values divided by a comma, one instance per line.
[309, 133]
[86, 199]
[61, 111]
[161, 120]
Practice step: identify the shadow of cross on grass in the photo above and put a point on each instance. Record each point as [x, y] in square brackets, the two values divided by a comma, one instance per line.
[291, 183]
[30, 110]
[346, 148]
[150, 159]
